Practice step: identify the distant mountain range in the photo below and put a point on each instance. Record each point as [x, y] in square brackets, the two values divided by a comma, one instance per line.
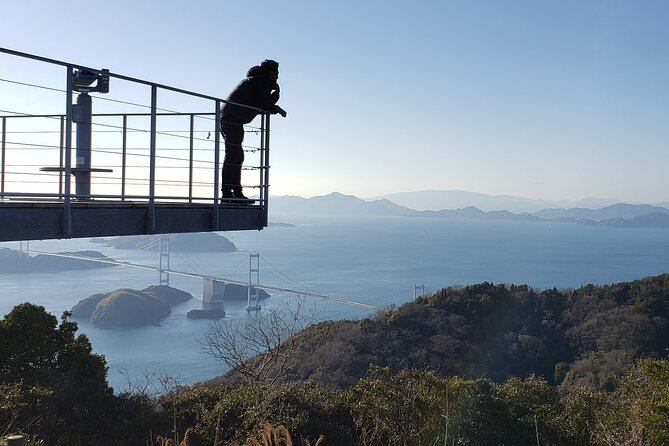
[336, 203]
[455, 199]
[621, 215]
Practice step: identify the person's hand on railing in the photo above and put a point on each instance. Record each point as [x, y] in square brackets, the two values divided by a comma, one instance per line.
[281, 111]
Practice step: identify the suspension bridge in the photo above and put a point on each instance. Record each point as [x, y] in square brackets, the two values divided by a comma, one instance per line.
[146, 162]
[162, 270]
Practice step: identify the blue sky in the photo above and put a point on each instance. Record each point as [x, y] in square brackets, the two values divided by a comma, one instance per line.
[553, 100]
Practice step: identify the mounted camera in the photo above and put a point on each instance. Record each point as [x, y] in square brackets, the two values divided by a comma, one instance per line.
[83, 81]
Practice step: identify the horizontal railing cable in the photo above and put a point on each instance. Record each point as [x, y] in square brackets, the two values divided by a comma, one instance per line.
[206, 116]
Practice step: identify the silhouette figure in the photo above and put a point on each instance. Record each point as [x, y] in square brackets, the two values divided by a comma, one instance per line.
[260, 90]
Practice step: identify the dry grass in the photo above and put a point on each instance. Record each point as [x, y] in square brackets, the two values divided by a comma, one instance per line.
[277, 436]
[164, 441]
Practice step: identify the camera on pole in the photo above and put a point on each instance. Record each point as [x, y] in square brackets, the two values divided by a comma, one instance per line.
[85, 81]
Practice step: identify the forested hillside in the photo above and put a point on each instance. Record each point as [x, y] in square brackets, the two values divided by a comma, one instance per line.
[580, 337]
[551, 368]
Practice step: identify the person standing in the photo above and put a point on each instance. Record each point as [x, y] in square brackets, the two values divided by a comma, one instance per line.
[259, 90]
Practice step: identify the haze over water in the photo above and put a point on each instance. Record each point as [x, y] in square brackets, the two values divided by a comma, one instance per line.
[376, 260]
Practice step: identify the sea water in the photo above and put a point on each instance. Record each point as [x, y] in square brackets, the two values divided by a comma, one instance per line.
[374, 260]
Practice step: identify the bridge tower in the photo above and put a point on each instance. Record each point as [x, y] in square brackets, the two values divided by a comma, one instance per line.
[164, 275]
[254, 282]
[416, 289]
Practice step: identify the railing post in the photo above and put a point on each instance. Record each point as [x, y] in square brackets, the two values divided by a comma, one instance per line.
[215, 223]
[124, 148]
[266, 182]
[2, 177]
[67, 215]
[190, 160]
[261, 170]
[60, 161]
[151, 218]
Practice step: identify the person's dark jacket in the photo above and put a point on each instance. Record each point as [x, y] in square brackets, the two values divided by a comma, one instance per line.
[257, 90]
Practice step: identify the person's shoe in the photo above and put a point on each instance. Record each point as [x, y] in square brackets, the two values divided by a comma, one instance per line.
[236, 198]
[241, 199]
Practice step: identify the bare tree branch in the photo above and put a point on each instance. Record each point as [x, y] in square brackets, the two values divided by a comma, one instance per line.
[258, 349]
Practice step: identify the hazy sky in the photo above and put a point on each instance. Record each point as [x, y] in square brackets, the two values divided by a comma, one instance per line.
[541, 99]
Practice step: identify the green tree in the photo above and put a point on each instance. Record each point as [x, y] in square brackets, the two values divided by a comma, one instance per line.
[637, 413]
[64, 395]
[532, 410]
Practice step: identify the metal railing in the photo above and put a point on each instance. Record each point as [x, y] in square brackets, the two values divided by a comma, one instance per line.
[161, 155]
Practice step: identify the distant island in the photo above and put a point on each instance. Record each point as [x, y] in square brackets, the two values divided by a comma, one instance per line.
[617, 216]
[126, 307]
[12, 261]
[185, 242]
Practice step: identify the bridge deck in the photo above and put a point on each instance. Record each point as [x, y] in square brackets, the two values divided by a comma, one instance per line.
[36, 220]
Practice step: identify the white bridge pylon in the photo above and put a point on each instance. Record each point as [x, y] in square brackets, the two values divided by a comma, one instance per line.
[310, 294]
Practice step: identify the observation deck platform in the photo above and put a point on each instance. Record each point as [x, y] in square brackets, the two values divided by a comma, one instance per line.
[48, 219]
[143, 163]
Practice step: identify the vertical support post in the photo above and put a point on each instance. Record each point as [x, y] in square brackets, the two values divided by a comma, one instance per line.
[252, 291]
[2, 171]
[151, 218]
[124, 154]
[60, 161]
[67, 215]
[83, 118]
[261, 171]
[190, 159]
[215, 217]
[266, 182]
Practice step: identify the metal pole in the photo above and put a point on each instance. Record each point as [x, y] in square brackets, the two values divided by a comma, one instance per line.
[266, 185]
[67, 222]
[60, 165]
[2, 176]
[190, 161]
[123, 155]
[83, 118]
[217, 158]
[262, 160]
[151, 218]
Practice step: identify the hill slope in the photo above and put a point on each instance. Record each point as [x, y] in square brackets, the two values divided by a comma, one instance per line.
[584, 336]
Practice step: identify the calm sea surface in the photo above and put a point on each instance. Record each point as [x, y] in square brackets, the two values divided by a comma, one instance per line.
[375, 260]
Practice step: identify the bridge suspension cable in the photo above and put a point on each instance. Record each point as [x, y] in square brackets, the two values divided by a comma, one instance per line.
[311, 294]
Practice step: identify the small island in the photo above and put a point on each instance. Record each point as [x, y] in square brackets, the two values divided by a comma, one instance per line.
[185, 242]
[126, 307]
[211, 313]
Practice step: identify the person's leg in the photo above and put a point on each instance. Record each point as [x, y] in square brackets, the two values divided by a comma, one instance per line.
[234, 157]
